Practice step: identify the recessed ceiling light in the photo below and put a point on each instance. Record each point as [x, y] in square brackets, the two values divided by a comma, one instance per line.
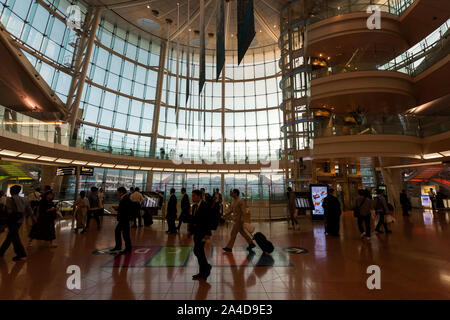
[9, 153]
[80, 163]
[94, 164]
[121, 167]
[49, 159]
[107, 165]
[63, 161]
[29, 156]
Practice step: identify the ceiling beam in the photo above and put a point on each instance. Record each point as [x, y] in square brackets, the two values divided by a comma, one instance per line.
[227, 21]
[265, 2]
[194, 16]
[126, 4]
[263, 22]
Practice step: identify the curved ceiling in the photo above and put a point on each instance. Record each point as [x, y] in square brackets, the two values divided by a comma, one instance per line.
[130, 15]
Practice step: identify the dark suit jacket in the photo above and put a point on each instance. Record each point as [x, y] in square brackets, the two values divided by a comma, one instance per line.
[201, 219]
[125, 209]
[185, 204]
[172, 207]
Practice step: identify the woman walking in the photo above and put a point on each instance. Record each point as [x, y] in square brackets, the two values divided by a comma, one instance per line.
[44, 229]
[81, 210]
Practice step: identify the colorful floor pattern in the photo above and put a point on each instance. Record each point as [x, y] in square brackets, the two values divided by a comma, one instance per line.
[178, 256]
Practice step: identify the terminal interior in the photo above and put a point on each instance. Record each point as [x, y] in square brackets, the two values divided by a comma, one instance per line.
[110, 93]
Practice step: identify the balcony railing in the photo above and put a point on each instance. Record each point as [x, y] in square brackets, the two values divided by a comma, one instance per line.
[406, 125]
[336, 8]
[58, 132]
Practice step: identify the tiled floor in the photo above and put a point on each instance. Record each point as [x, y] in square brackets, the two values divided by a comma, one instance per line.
[414, 262]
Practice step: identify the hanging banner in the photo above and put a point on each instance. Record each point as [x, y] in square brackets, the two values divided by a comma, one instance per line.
[202, 48]
[246, 27]
[220, 44]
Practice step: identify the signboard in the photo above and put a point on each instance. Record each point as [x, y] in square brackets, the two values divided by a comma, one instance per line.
[87, 171]
[426, 202]
[66, 171]
[318, 194]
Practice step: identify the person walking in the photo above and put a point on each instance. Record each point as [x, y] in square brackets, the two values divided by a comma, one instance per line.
[44, 229]
[137, 198]
[333, 212]
[364, 207]
[17, 208]
[172, 213]
[381, 208]
[124, 211]
[292, 207]
[241, 216]
[94, 208]
[81, 210]
[405, 203]
[200, 228]
[185, 208]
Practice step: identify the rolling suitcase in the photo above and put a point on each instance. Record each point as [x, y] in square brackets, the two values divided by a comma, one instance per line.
[148, 219]
[265, 245]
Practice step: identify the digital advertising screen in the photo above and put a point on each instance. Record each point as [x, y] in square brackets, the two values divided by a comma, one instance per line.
[318, 194]
[426, 201]
[303, 200]
[151, 202]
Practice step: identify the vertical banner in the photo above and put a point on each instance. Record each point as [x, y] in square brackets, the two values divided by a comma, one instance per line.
[246, 27]
[220, 31]
[188, 62]
[202, 48]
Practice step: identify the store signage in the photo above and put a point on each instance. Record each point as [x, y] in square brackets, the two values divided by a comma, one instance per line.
[87, 171]
[66, 171]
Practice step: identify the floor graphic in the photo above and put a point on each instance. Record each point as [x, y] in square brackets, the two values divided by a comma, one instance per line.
[171, 257]
[139, 258]
[178, 256]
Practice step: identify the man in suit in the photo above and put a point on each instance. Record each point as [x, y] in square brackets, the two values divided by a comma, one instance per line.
[124, 212]
[241, 216]
[200, 227]
[185, 208]
[171, 216]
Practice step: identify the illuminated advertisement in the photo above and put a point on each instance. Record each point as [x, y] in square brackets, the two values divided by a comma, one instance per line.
[426, 202]
[318, 194]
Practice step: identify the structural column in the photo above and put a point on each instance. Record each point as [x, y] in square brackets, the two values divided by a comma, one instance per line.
[159, 88]
[79, 78]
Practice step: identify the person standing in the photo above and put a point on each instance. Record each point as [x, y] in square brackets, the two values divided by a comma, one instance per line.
[333, 212]
[17, 209]
[405, 203]
[241, 216]
[292, 207]
[94, 208]
[33, 199]
[171, 216]
[203, 191]
[381, 208]
[364, 205]
[185, 208]
[44, 229]
[124, 209]
[200, 227]
[137, 198]
[432, 195]
[81, 210]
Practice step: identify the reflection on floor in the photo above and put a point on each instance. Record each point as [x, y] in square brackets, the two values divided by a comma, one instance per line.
[414, 262]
